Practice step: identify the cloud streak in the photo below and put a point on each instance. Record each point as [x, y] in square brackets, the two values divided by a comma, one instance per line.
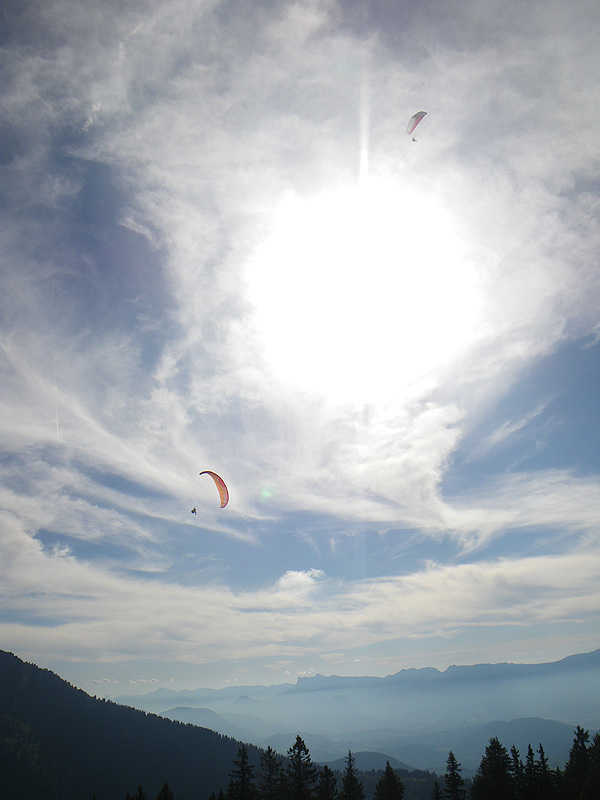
[190, 278]
[301, 612]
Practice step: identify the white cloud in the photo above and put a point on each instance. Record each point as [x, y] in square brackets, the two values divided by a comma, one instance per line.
[554, 499]
[508, 429]
[206, 122]
[202, 162]
[303, 612]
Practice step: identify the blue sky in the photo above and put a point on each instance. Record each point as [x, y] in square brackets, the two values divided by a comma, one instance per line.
[220, 250]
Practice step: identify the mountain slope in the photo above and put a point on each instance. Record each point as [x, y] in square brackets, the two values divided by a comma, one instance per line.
[57, 741]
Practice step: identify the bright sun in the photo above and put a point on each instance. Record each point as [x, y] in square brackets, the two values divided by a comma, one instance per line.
[362, 291]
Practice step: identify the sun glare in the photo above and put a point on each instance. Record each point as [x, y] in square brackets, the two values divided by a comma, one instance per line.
[362, 291]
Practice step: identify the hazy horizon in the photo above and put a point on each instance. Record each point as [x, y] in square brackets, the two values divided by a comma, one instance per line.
[141, 692]
[415, 719]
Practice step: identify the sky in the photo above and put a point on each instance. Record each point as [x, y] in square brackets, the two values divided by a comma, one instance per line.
[220, 249]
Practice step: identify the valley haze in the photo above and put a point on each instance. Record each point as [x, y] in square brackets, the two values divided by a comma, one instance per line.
[415, 715]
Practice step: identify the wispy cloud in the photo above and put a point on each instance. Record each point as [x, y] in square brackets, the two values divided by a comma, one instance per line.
[508, 429]
[554, 499]
[187, 279]
[301, 612]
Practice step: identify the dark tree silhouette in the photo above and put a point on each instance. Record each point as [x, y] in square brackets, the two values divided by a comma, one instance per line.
[389, 786]
[165, 793]
[270, 767]
[437, 792]
[283, 787]
[545, 778]
[327, 787]
[517, 770]
[529, 783]
[591, 786]
[241, 783]
[352, 788]
[301, 772]
[453, 782]
[493, 780]
[577, 766]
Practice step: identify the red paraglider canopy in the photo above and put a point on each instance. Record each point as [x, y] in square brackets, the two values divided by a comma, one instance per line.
[414, 121]
[220, 484]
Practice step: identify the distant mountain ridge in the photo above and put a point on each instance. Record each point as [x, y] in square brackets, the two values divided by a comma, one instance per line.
[414, 715]
[432, 676]
[425, 699]
[423, 676]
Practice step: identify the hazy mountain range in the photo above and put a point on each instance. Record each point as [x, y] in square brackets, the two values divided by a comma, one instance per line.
[59, 743]
[414, 716]
[56, 740]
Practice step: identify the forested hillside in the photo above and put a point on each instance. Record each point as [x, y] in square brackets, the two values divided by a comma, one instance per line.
[58, 742]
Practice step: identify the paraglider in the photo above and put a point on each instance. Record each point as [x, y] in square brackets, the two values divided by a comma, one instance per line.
[414, 121]
[221, 487]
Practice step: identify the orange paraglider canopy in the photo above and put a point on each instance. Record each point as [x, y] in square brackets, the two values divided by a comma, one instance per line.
[220, 484]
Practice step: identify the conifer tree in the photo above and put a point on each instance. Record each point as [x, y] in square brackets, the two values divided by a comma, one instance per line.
[542, 762]
[529, 786]
[327, 788]
[558, 781]
[389, 786]
[518, 772]
[577, 765]
[301, 772]
[437, 792]
[270, 765]
[493, 780]
[453, 782]
[352, 788]
[546, 786]
[165, 793]
[283, 790]
[591, 786]
[241, 783]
